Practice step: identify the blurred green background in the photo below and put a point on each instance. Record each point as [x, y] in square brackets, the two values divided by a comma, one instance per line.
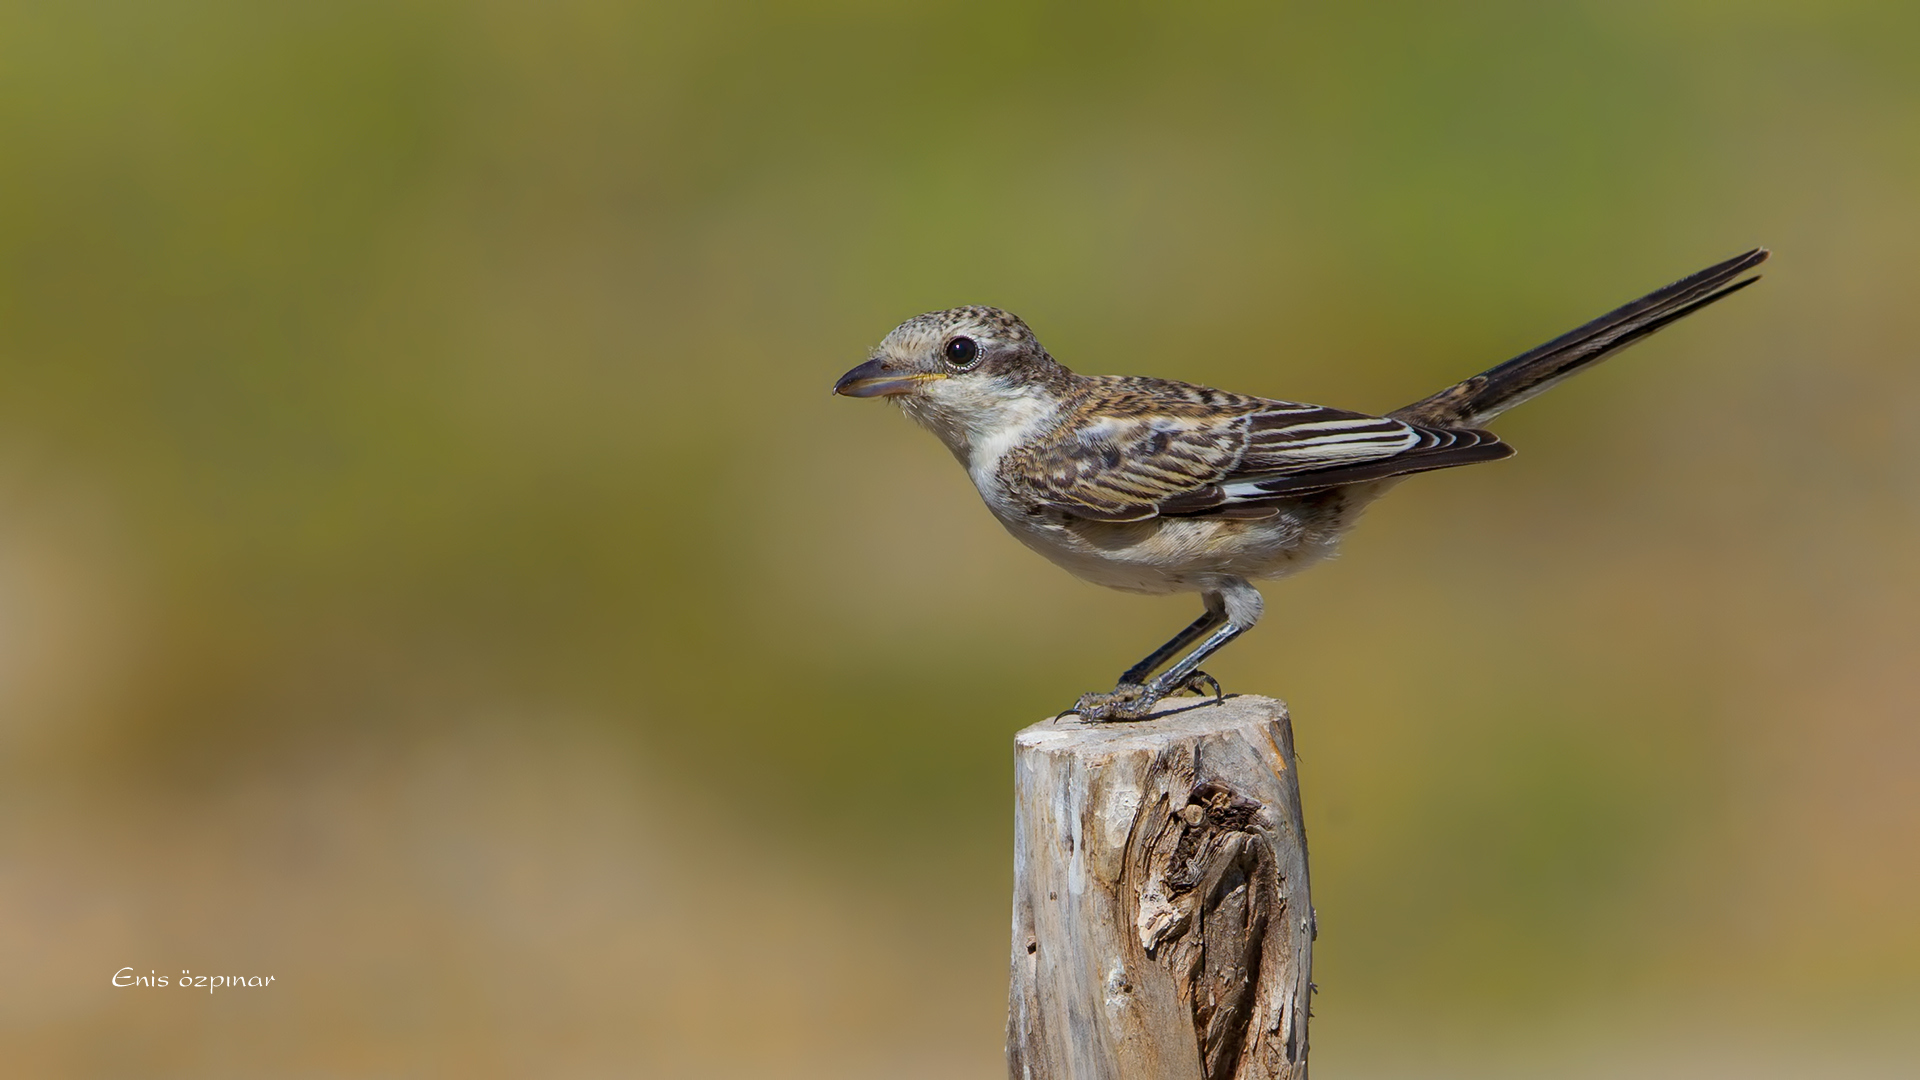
[433, 572]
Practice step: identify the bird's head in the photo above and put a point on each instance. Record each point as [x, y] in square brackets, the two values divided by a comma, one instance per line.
[969, 346]
[962, 372]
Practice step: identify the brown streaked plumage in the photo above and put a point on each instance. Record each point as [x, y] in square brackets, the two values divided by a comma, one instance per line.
[1127, 449]
[1154, 486]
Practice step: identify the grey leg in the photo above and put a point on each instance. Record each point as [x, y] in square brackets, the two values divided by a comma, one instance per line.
[1177, 676]
[1210, 620]
[1231, 611]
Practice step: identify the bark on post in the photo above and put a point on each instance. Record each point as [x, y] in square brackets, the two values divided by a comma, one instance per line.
[1162, 927]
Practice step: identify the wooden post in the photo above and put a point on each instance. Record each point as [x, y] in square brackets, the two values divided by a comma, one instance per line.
[1162, 928]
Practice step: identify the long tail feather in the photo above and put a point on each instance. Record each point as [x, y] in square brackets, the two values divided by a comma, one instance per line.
[1486, 395]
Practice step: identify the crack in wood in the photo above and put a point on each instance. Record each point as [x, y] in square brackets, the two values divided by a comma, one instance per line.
[1205, 908]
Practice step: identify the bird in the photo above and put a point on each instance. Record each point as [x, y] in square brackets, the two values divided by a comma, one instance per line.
[1156, 486]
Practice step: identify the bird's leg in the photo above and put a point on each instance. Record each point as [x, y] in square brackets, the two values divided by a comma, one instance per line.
[1231, 611]
[1182, 674]
[1209, 620]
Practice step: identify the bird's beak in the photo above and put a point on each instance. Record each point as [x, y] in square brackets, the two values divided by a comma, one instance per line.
[871, 379]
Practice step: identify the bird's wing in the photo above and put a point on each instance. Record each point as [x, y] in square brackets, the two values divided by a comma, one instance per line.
[1147, 448]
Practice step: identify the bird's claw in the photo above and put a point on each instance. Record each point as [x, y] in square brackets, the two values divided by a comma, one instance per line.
[1205, 685]
[1134, 701]
[1128, 701]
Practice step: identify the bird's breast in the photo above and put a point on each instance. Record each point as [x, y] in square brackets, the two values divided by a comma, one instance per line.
[1180, 554]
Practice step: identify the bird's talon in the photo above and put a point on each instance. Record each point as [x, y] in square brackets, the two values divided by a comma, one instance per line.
[1128, 701]
[1205, 685]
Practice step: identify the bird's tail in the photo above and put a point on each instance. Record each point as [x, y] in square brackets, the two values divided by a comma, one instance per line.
[1494, 391]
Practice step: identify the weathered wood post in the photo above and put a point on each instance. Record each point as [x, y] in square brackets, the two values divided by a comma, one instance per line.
[1162, 928]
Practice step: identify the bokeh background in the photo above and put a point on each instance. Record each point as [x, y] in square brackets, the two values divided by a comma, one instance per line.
[433, 572]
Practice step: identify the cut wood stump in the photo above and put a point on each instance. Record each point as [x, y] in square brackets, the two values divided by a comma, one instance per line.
[1162, 928]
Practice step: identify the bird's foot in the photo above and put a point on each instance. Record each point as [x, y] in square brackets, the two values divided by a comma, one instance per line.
[1204, 685]
[1134, 701]
[1128, 701]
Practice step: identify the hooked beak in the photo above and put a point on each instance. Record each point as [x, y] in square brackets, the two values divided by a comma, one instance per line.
[871, 379]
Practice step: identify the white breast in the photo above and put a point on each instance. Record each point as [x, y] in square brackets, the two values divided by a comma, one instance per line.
[988, 447]
[980, 420]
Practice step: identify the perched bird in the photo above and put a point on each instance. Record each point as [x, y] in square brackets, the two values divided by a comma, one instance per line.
[1155, 486]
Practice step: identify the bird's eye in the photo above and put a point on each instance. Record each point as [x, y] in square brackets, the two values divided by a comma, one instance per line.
[961, 351]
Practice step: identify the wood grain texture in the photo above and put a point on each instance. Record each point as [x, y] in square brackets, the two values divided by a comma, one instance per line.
[1162, 926]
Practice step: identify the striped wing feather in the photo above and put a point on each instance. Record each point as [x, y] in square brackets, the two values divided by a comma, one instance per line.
[1140, 448]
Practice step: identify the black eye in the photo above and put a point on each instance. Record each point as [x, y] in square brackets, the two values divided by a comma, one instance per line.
[961, 351]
